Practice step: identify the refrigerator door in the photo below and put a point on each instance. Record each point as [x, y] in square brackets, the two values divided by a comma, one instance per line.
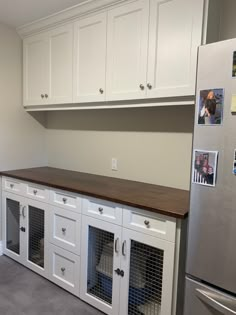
[211, 254]
[203, 300]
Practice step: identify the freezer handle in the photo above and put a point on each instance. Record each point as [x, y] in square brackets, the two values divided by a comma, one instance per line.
[216, 301]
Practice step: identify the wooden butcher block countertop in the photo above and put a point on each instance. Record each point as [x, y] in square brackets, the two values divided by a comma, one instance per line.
[159, 199]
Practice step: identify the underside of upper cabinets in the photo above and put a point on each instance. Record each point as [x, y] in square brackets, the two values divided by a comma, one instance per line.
[126, 54]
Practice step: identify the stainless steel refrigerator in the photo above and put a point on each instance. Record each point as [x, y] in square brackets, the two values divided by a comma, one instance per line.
[211, 251]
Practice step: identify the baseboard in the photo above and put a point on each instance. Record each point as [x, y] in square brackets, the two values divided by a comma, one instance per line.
[1, 248]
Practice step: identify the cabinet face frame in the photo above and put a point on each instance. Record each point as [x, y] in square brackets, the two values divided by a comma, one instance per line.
[22, 254]
[139, 75]
[59, 81]
[116, 230]
[44, 207]
[43, 85]
[96, 68]
[168, 268]
[186, 86]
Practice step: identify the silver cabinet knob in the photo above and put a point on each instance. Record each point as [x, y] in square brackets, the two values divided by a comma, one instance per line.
[100, 209]
[64, 200]
[63, 269]
[12, 185]
[46, 95]
[35, 192]
[101, 90]
[149, 86]
[63, 230]
[146, 222]
[42, 95]
[141, 87]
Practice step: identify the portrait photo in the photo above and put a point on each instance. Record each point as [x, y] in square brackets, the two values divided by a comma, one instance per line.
[204, 167]
[210, 107]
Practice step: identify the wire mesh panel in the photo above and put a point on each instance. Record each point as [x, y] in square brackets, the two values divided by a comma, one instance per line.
[145, 281]
[13, 225]
[36, 236]
[100, 264]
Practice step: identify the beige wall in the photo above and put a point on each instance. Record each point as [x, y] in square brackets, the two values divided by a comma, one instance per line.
[22, 138]
[228, 21]
[152, 145]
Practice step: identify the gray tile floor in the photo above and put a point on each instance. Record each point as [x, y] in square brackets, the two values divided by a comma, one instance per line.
[23, 292]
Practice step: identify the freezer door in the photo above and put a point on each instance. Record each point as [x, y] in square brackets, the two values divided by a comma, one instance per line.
[203, 300]
[211, 254]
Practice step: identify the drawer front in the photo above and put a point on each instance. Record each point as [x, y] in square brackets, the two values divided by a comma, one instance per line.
[12, 185]
[146, 222]
[37, 192]
[64, 269]
[103, 210]
[66, 200]
[65, 229]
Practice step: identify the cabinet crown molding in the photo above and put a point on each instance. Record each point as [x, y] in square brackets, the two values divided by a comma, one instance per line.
[65, 16]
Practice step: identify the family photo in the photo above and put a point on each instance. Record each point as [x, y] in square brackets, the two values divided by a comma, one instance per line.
[204, 167]
[210, 107]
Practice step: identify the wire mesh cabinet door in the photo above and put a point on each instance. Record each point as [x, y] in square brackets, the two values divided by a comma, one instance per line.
[36, 217]
[147, 264]
[13, 226]
[100, 264]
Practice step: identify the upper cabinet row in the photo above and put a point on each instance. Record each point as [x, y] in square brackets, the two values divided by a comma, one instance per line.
[140, 49]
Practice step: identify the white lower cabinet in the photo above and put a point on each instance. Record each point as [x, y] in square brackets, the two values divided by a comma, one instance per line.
[124, 271]
[100, 263]
[64, 269]
[25, 231]
[120, 260]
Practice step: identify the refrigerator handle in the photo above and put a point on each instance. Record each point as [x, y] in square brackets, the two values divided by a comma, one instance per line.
[215, 301]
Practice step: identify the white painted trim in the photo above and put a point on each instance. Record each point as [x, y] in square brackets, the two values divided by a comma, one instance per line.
[66, 16]
[84, 107]
[1, 248]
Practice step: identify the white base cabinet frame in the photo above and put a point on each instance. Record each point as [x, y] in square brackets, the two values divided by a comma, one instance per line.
[134, 292]
[89, 251]
[25, 231]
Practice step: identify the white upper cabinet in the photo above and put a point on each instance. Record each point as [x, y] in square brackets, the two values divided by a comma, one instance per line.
[90, 59]
[48, 65]
[127, 51]
[61, 65]
[36, 70]
[130, 50]
[175, 32]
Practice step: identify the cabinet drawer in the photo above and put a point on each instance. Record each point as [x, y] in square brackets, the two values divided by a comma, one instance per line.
[64, 269]
[153, 224]
[66, 200]
[37, 192]
[65, 229]
[103, 210]
[12, 185]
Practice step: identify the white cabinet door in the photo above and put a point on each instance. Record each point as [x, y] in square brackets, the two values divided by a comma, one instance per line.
[36, 223]
[175, 34]
[147, 264]
[60, 65]
[36, 71]
[127, 51]
[90, 59]
[100, 262]
[13, 227]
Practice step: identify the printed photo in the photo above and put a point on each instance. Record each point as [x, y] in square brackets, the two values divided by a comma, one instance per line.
[204, 167]
[210, 107]
[234, 163]
[234, 65]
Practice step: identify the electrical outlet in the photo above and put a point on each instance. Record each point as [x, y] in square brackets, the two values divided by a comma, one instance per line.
[114, 164]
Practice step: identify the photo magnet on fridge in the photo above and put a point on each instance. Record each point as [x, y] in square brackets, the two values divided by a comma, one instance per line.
[234, 163]
[204, 167]
[210, 107]
[234, 65]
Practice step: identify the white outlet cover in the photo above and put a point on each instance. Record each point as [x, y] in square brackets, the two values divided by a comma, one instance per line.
[114, 164]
